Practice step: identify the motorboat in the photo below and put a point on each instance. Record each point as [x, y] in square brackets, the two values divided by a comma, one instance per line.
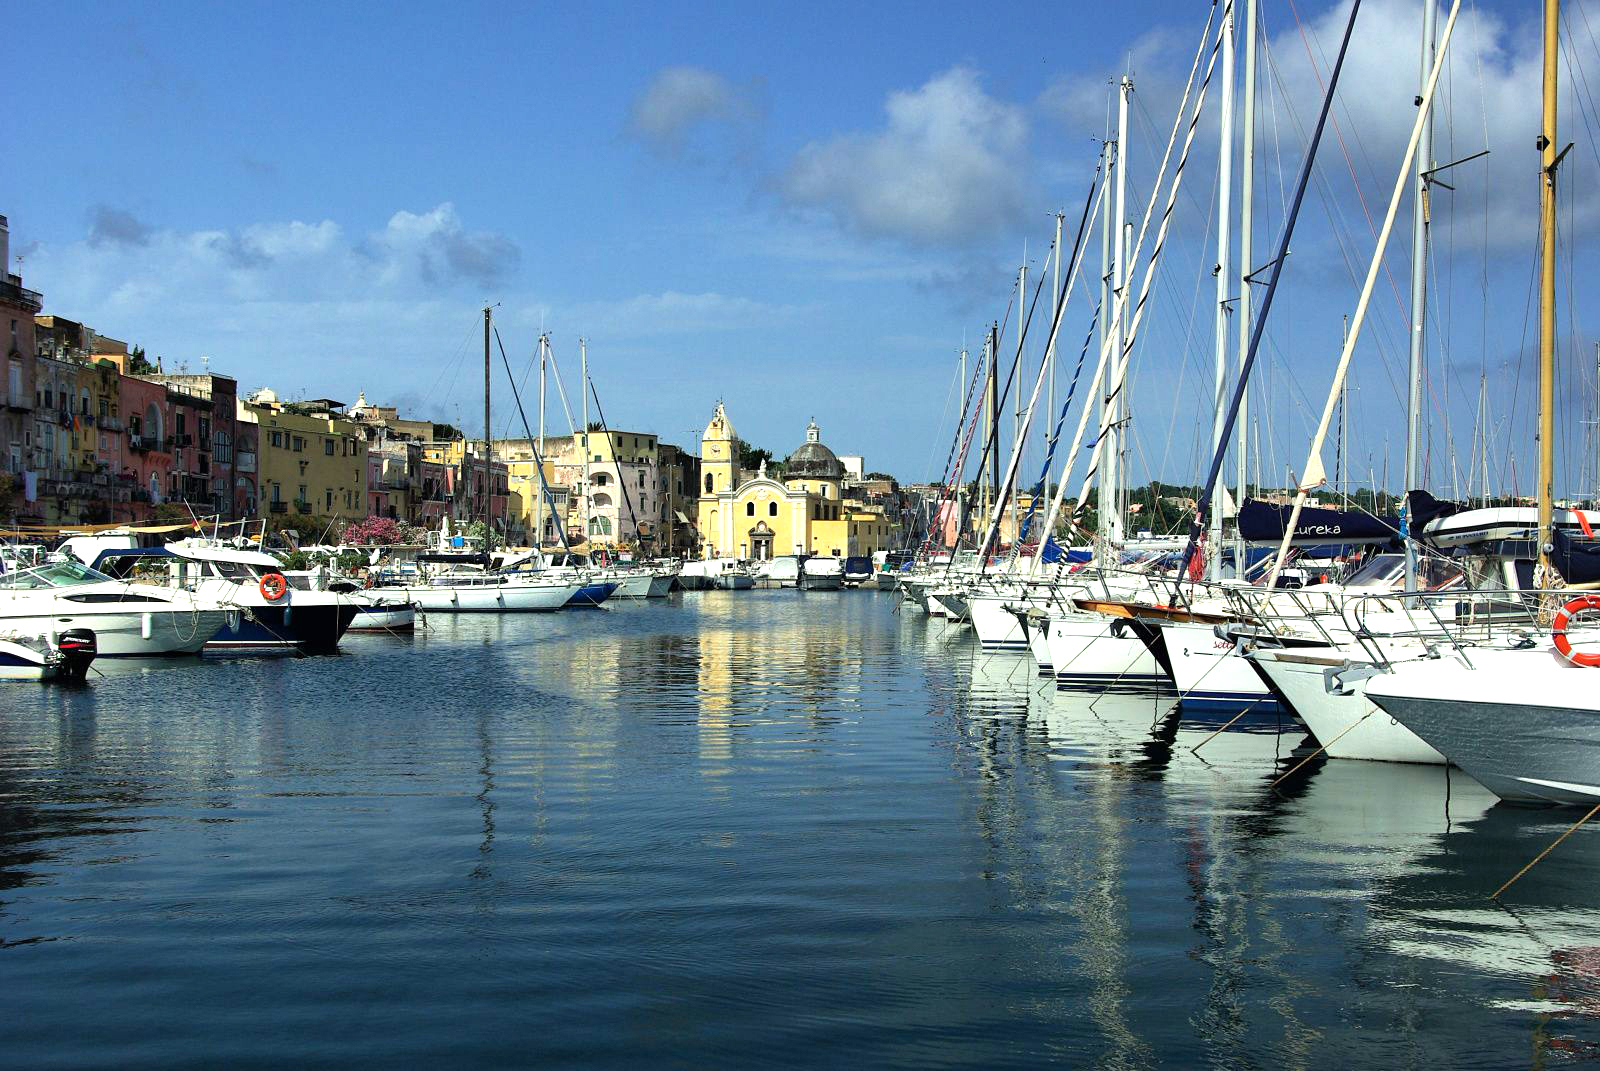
[726, 573]
[784, 571]
[857, 571]
[34, 658]
[821, 574]
[128, 619]
[267, 614]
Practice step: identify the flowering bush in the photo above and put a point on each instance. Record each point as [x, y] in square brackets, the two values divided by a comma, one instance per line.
[374, 531]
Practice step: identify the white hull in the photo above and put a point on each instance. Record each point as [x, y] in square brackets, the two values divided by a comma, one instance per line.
[384, 619]
[1523, 723]
[1206, 667]
[121, 634]
[483, 598]
[1345, 722]
[997, 627]
[1088, 649]
[641, 585]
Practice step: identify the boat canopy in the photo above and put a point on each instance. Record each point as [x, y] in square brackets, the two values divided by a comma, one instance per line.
[1265, 522]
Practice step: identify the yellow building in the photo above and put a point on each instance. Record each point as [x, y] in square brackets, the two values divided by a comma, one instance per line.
[754, 515]
[312, 460]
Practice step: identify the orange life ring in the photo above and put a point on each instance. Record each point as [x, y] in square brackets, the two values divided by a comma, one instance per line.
[273, 587]
[1558, 630]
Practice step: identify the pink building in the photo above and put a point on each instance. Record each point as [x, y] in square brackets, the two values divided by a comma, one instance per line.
[148, 465]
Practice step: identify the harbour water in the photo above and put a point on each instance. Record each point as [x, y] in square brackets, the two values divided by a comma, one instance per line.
[757, 828]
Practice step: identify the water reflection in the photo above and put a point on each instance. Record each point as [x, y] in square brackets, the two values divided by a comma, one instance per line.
[747, 827]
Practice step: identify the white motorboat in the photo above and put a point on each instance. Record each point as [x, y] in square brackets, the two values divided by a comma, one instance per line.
[784, 572]
[127, 619]
[34, 658]
[267, 613]
[821, 574]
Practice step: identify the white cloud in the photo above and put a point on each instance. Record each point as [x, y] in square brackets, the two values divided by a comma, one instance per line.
[949, 165]
[671, 312]
[680, 100]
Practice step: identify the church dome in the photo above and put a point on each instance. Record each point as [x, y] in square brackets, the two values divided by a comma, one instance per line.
[813, 460]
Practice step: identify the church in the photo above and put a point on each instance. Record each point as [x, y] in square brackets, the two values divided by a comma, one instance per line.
[757, 515]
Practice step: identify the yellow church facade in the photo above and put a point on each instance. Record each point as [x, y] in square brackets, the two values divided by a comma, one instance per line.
[754, 515]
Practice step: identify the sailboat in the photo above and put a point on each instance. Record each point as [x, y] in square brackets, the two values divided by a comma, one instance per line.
[471, 586]
[1522, 720]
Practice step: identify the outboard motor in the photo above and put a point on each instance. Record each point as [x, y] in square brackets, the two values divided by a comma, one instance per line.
[78, 648]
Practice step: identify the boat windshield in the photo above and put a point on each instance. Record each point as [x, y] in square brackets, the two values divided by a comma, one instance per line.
[53, 575]
[1379, 570]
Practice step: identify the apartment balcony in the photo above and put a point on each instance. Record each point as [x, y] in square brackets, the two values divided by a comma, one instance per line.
[110, 423]
[302, 506]
[138, 443]
[21, 403]
[278, 507]
[15, 294]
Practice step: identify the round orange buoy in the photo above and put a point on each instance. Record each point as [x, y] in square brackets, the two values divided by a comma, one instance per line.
[274, 586]
[1558, 630]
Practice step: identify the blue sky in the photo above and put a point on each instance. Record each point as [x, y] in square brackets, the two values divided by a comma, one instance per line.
[802, 210]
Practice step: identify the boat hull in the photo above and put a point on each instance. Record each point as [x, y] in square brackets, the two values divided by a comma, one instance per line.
[1209, 670]
[304, 628]
[1344, 721]
[998, 628]
[123, 634]
[384, 619]
[485, 599]
[1522, 723]
[1091, 649]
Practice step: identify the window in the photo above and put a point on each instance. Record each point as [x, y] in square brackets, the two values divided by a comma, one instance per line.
[601, 479]
[299, 444]
[772, 509]
[277, 493]
[277, 438]
[327, 447]
[708, 483]
[749, 509]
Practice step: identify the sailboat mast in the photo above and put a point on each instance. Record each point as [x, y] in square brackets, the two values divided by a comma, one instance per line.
[1108, 229]
[1121, 275]
[1055, 298]
[1483, 435]
[1547, 288]
[583, 374]
[992, 429]
[1246, 261]
[1419, 296]
[488, 439]
[1224, 281]
[538, 513]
